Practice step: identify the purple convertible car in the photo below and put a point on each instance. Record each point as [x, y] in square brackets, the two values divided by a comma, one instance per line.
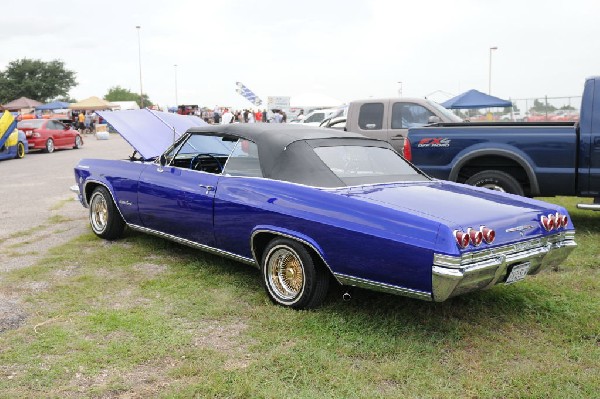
[309, 205]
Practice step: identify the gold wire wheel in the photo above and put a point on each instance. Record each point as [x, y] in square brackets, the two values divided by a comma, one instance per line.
[98, 213]
[285, 273]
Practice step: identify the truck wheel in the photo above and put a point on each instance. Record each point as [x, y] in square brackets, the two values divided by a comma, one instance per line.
[291, 277]
[496, 180]
[20, 150]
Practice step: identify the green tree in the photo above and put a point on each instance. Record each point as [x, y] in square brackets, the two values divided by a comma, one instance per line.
[118, 93]
[540, 107]
[35, 79]
[568, 108]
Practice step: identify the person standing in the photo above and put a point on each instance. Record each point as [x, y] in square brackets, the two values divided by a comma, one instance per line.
[81, 120]
[227, 117]
[258, 116]
[264, 116]
[300, 116]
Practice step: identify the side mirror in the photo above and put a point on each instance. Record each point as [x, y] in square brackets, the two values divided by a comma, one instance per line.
[66, 127]
[434, 119]
[162, 160]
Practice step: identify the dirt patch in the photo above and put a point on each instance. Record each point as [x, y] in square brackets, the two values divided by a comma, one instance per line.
[145, 380]
[26, 247]
[11, 314]
[150, 270]
[224, 338]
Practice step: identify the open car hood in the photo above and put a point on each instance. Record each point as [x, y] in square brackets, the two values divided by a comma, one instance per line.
[150, 132]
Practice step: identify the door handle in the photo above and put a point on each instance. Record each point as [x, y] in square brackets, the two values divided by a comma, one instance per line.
[207, 187]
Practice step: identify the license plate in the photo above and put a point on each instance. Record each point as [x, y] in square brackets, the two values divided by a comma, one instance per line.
[518, 273]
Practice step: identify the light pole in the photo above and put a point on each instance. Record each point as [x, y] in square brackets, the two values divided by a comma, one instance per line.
[176, 99]
[140, 62]
[490, 75]
[400, 89]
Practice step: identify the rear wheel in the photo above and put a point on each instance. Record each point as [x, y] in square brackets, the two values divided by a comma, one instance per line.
[496, 180]
[20, 150]
[291, 276]
[49, 146]
[78, 142]
[105, 219]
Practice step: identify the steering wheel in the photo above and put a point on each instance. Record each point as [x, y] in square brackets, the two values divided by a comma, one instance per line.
[198, 157]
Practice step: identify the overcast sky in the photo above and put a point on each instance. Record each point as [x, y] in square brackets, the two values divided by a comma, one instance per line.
[343, 49]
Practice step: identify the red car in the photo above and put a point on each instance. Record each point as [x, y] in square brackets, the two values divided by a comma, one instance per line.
[49, 134]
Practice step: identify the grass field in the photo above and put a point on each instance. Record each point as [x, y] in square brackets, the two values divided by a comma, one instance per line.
[142, 317]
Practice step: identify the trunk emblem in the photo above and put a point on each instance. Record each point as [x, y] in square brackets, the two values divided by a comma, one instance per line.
[520, 229]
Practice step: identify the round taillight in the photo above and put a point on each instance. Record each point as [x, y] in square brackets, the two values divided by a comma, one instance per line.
[488, 234]
[552, 222]
[544, 221]
[475, 236]
[462, 239]
[548, 222]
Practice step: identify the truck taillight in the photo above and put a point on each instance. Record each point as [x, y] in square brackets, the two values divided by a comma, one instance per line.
[406, 151]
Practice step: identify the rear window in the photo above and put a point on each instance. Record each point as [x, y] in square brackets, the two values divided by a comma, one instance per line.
[31, 124]
[367, 165]
[370, 116]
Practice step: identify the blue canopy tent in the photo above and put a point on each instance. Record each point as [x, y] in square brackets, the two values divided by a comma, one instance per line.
[52, 105]
[474, 99]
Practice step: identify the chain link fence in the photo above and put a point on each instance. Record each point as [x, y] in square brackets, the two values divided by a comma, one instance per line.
[534, 109]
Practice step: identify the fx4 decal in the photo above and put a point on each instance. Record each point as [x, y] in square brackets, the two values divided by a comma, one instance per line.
[434, 142]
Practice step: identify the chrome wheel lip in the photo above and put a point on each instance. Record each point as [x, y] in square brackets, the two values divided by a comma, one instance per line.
[77, 141]
[285, 281]
[98, 213]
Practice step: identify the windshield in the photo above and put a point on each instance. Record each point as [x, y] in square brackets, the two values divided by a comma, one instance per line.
[367, 165]
[446, 112]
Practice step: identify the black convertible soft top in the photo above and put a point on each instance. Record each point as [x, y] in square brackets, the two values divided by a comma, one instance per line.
[286, 151]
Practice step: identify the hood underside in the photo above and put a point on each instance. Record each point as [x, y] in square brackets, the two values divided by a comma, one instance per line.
[150, 132]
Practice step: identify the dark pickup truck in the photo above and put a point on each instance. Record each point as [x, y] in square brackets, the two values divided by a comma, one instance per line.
[531, 159]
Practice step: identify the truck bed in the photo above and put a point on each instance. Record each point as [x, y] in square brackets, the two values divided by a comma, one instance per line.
[542, 156]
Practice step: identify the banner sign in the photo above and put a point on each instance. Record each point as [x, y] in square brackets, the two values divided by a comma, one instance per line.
[247, 94]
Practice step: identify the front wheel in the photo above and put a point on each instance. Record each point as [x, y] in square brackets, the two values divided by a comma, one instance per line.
[20, 150]
[49, 146]
[105, 219]
[291, 276]
[496, 180]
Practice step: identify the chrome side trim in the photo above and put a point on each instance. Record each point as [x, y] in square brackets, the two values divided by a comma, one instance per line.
[589, 207]
[193, 244]
[291, 237]
[458, 275]
[382, 287]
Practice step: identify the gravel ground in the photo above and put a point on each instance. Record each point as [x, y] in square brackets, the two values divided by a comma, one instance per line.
[33, 191]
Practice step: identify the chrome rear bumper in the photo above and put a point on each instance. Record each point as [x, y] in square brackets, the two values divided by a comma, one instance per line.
[453, 275]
